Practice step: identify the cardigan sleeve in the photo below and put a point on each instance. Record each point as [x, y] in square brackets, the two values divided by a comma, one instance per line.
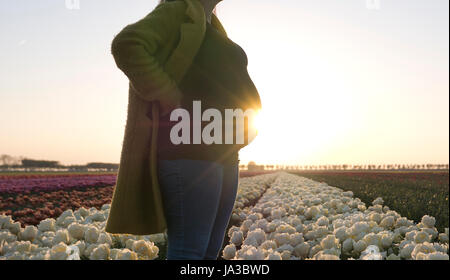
[134, 50]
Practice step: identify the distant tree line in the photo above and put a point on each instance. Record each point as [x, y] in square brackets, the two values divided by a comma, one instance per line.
[359, 167]
[7, 161]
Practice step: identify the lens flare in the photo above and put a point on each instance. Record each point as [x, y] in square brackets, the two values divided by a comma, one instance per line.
[256, 122]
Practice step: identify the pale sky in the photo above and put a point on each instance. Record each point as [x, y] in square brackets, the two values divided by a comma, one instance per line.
[340, 82]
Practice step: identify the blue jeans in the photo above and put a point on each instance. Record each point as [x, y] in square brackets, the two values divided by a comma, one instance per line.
[198, 198]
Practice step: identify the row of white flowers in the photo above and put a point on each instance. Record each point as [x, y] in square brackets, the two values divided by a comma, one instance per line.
[73, 235]
[298, 218]
[80, 234]
[250, 189]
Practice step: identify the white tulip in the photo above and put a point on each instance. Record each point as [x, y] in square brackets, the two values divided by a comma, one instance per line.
[286, 255]
[229, 252]
[422, 237]
[16, 256]
[432, 232]
[372, 252]
[47, 225]
[428, 221]
[146, 249]
[5, 221]
[237, 238]
[435, 256]
[104, 238]
[126, 254]
[258, 235]
[250, 253]
[302, 250]
[8, 237]
[296, 238]
[59, 252]
[101, 252]
[61, 235]
[347, 246]
[387, 222]
[14, 228]
[341, 233]
[329, 242]
[91, 234]
[29, 233]
[282, 238]
[359, 246]
[322, 256]
[274, 256]
[393, 257]
[76, 230]
[89, 249]
[443, 238]
[425, 248]
[378, 201]
[23, 247]
[157, 238]
[406, 251]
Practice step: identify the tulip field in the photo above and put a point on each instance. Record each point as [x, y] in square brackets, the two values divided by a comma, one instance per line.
[32, 198]
[411, 193]
[300, 219]
[277, 216]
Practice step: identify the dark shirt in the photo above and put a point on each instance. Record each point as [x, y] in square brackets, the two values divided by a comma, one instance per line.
[218, 78]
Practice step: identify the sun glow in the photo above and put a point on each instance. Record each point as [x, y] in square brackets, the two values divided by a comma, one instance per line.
[256, 121]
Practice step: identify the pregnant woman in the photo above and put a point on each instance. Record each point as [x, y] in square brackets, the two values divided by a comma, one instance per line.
[179, 61]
